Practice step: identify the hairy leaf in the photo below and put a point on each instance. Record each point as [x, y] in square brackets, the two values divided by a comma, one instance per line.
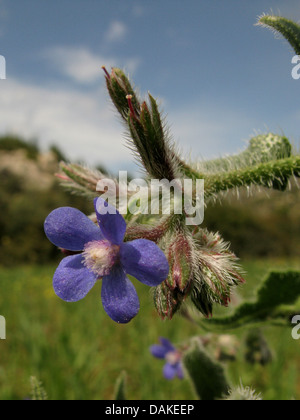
[287, 28]
[278, 292]
[207, 376]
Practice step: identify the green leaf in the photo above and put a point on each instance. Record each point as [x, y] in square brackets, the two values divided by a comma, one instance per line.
[207, 376]
[119, 393]
[287, 28]
[278, 292]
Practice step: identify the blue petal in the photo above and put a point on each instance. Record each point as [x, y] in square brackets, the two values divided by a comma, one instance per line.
[179, 371]
[145, 261]
[72, 280]
[70, 229]
[158, 351]
[119, 297]
[167, 344]
[111, 222]
[169, 371]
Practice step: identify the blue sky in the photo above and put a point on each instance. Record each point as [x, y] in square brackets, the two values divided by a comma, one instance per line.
[219, 78]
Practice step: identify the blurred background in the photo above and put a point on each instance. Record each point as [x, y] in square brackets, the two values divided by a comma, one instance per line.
[220, 80]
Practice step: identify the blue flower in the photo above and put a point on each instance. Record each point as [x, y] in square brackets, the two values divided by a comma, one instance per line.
[105, 256]
[171, 355]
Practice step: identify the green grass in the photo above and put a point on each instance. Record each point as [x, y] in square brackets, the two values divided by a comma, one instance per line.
[78, 352]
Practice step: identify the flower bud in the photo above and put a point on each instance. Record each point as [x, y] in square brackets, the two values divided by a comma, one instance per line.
[218, 272]
[147, 131]
[150, 140]
[119, 88]
[167, 301]
[202, 302]
[180, 262]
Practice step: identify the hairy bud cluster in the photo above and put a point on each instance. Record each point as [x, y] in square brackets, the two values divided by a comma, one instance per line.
[146, 130]
[202, 267]
[218, 272]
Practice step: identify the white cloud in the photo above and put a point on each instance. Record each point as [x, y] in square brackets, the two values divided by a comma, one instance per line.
[83, 66]
[83, 126]
[116, 31]
[77, 63]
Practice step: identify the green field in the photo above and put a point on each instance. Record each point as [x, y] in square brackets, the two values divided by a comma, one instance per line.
[78, 352]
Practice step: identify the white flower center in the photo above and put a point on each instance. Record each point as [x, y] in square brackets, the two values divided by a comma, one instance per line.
[173, 357]
[100, 256]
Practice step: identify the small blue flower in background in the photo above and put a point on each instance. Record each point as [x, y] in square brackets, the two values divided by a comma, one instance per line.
[105, 256]
[171, 355]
